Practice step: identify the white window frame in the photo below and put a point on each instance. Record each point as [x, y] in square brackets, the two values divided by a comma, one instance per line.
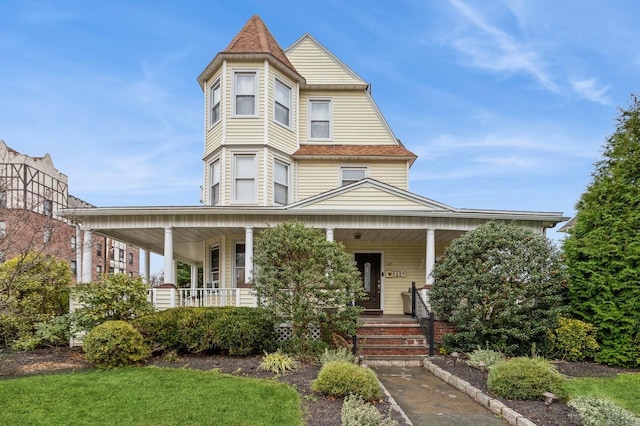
[234, 108]
[237, 179]
[364, 169]
[238, 270]
[213, 282]
[276, 102]
[311, 120]
[216, 86]
[278, 162]
[214, 179]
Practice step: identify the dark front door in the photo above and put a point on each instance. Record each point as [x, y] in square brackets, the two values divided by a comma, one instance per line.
[369, 265]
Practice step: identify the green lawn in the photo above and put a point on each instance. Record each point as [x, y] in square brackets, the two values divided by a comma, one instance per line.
[623, 389]
[147, 396]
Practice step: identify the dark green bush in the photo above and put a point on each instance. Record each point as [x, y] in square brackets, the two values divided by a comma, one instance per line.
[343, 378]
[573, 340]
[229, 330]
[525, 379]
[114, 344]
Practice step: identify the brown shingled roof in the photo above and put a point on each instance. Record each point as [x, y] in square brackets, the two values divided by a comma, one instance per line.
[254, 37]
[388, 151]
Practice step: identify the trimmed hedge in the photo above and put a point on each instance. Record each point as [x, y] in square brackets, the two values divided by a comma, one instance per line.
[343, 378]
[229, 330]
[525, 379]
[114, 344]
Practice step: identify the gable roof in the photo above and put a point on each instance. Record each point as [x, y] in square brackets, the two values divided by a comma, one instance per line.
[253, 42]
[360, 152]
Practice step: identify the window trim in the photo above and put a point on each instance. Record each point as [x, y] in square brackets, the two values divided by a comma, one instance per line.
[344, 167]
[214, 283]
[234, 171]
[310, 102]
[216, 85]
[287, 184]
[213, 183]
[236, 268]
[234, 108]
[278, 81]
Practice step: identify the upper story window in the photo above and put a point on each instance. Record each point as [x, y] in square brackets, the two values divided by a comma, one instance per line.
[282, 107]
[130, 258]
[47, 207]
[320, 112]
[245, 90]
[3, 199]
[214, 171]
[99, 250]
[120, 255]
[349, 175]
[74, 243]
[3, 229]
[244, 178]
[214, 99]
[280, 183]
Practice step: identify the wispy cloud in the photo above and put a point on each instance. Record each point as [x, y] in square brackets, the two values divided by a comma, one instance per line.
[588, 89]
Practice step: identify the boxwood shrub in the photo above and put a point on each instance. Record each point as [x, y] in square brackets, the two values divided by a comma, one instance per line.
[114, 344]
[343, 378]
[525, 379]
[229, 330]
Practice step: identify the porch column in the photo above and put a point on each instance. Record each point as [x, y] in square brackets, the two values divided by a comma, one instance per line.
[431, 255]
[194, 277]
[168, 255]
[248, 255]
[147, 266]
[79, 254]
[329, 234]
[87, 256]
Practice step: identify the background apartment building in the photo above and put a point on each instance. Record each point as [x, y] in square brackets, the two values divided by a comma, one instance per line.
[32, 190]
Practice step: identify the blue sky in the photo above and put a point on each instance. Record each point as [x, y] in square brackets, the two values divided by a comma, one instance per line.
[506, 103]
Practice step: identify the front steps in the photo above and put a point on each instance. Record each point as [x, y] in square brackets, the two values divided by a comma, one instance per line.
[391, 340]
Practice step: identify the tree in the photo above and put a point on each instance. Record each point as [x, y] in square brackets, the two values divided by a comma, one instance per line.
[603, 246]
[502, 286]
[307, 281]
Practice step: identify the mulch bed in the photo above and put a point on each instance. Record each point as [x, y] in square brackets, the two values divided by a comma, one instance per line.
[319, 410]
[538, 412]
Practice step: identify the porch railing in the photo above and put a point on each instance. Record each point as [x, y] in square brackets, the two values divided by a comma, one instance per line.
[426, 318]
[202, 297]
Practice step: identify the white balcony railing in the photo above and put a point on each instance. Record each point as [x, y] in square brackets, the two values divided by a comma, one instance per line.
[201, 297]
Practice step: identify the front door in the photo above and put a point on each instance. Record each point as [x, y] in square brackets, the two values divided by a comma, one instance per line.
[369, 265]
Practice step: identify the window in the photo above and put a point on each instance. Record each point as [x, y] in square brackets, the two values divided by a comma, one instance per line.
[130, 274]
[3, 229]
[120, 255]
[282, 106]
[47, 235]
[99, 270]
[74, 267]
[214, 99]
[319, 119]
[244, 178]
[112, 253]
[130, 258]
[74, 243]
[239, 260]
[3, 199]
[215, 183]
[245, 93]
[47, 207]
[280, 183]
[349, 175]
[215, 267]
[99, 250]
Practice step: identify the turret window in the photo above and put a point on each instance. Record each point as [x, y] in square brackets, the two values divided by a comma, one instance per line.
[245, 178]
[282, 108]
[215, 102]
[245, 93]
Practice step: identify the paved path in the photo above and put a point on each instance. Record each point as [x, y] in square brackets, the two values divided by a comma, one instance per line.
[427, 400]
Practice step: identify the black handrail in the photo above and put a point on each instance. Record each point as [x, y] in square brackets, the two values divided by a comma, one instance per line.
[425, 317]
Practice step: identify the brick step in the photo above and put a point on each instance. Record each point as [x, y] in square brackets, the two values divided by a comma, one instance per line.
[408, 340]
[366, 350]
[395, 360]
[389, 329]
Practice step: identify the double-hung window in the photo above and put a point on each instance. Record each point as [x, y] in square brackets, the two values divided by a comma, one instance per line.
[214, 99]
[320, 112]
[349, 175]
[282, 107]
[215, 267]
[245, 90]
[239, 262]
[244, 170]
[280, 183]
[215, 183]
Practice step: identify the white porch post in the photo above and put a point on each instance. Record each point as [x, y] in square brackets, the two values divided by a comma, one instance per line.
[87, 258]
[248, 255]
[168, 255]
[147, 266]
[194, 277]
[329, 234]
[431, 255]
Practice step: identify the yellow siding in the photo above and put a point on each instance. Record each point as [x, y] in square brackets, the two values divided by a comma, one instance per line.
[213, 134]
[245, 131]
[318, 66]
[355, 118]
[315, 177]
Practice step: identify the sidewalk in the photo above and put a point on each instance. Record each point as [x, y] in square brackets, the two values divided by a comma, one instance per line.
[427, 400]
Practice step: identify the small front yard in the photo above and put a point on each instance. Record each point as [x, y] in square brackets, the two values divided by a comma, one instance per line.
[622, 389]
[152, 395]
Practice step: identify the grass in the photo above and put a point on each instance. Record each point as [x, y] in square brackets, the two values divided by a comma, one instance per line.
[623, 389]
[147, 396]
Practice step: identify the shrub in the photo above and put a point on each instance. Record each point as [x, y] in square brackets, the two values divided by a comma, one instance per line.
[229, 330]
[486, 356]
[573, 340]
[278, 362]
[341, 378]
[600, 412]
[114, 344]
[338, 354]
[357, 412]
[499, 284]
[525, 379]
